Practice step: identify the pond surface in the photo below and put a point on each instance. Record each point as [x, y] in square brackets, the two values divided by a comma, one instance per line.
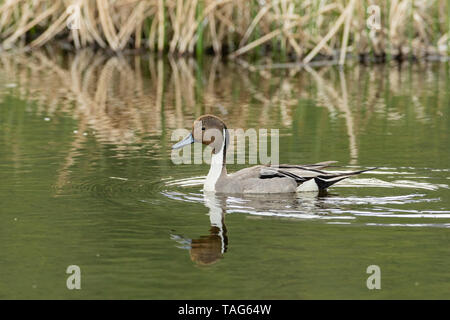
[87, 179]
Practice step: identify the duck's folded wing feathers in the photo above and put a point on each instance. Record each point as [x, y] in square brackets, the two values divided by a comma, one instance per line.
[324, 181]
[301, 174]
[298, 172]
[269, 172]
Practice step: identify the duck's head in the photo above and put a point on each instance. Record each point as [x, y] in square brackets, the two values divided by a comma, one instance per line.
[208, 130]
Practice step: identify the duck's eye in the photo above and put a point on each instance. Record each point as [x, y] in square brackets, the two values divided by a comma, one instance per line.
[203, 129]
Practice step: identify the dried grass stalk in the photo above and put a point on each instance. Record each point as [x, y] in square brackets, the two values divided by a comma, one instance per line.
[301, 28]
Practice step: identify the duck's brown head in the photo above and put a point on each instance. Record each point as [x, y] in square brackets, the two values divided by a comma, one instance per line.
[208, 130]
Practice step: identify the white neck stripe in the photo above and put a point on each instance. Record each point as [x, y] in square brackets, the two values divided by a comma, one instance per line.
[216, 167]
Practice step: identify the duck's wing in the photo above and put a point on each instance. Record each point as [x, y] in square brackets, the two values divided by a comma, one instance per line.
[300, 173]
[325, 181]
[303, 173]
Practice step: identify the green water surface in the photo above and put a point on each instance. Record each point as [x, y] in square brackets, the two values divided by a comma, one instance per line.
[86, 179]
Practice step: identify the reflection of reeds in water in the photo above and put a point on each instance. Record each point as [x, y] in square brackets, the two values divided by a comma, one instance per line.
[123, 99]
[300, 28]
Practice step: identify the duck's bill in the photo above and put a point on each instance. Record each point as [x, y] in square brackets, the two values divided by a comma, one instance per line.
[186, 141]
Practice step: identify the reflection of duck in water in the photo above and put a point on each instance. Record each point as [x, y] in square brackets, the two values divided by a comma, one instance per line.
[212, 131]
[280, 205]
[207, 250]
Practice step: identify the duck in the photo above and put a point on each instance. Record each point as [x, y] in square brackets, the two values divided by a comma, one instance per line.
[208, 249]
[212, 131]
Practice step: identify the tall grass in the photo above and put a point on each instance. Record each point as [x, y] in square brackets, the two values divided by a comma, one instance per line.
[300, 29]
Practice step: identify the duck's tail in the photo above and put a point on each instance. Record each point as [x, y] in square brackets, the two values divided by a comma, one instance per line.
[309, 177]
[325, 181]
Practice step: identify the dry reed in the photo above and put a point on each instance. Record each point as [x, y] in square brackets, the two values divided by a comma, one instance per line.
[285, 28]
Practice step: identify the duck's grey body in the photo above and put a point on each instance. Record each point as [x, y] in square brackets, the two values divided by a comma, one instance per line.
[279, 179]
[257, 179]
[249, 180]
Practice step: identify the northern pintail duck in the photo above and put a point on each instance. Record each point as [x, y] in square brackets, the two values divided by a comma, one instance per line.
[260, 178]
[208, 249]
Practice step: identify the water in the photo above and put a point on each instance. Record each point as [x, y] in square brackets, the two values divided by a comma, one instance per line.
[87, 180]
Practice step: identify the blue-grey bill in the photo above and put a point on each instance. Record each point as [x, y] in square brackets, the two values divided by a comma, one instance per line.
[186, 141]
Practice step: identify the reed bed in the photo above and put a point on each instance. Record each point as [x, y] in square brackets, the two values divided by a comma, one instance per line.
[282, 29]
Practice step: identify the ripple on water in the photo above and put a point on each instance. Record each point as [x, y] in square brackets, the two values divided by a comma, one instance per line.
[117, 189]
[338, 209]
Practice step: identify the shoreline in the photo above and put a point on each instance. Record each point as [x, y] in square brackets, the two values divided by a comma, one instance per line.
[320, 60]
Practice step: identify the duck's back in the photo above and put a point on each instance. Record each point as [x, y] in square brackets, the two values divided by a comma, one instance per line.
[281, 179]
